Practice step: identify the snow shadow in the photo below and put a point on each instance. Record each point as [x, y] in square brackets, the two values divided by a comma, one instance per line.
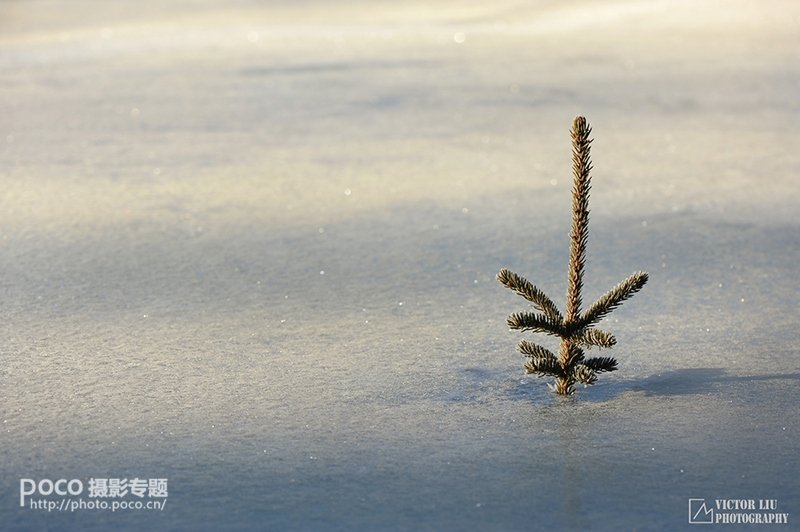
[679, 382]
[694, 381]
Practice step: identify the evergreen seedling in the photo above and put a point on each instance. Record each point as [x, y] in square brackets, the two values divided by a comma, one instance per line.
[576, 329]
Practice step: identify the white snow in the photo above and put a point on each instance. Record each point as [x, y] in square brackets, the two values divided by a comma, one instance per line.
[250, 247]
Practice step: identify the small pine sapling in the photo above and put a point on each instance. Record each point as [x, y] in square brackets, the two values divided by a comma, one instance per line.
[576, 329]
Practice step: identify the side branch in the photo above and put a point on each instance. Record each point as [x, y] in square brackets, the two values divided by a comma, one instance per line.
[613, 298]
[528, 321]
[523, 287]
[600, 364]
[595, 338]
[531, 350]
[584, 374]
[543, 367]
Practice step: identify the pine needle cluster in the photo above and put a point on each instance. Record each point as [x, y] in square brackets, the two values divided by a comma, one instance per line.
[575, 328]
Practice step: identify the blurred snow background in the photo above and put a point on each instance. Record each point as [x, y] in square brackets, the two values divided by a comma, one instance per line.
[251, 247]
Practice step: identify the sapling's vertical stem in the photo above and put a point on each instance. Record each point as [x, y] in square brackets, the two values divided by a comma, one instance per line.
[579, 236]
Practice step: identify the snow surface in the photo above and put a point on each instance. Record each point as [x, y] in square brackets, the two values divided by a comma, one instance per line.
[251, 246]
